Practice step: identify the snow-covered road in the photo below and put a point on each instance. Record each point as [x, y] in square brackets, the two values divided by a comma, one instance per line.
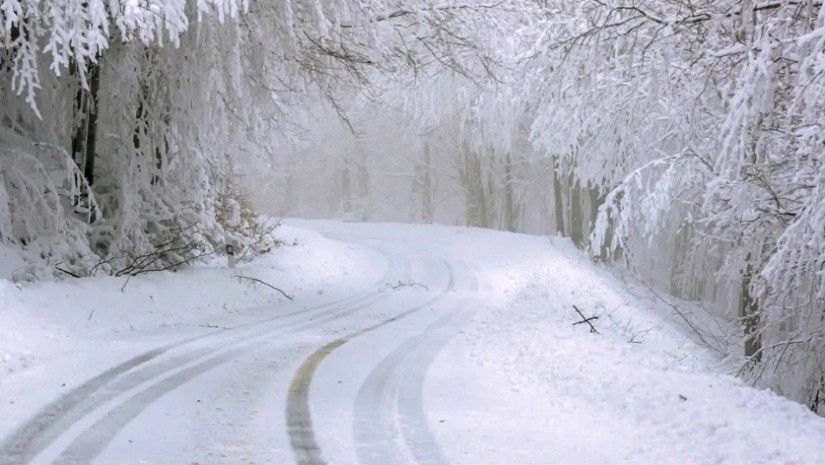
[403, 345]
[339, 381]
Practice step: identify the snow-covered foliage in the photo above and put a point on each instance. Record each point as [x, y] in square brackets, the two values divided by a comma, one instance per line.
[41, 179]
[156, 102]
[162, 132]
[71, 33]
[704, 120]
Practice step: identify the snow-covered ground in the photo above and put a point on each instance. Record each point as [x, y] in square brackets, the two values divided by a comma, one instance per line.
[403, 344]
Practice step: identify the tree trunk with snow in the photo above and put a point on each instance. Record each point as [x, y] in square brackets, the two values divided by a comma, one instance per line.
[749, 315]
[472, 180]
[511, 205]
[558, 200]
[576, 217]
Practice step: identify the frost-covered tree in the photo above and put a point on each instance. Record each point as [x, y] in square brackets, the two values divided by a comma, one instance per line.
[150, 105]
[126, 100]
[702, 121]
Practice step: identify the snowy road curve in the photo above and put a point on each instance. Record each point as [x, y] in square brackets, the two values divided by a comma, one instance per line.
[291, 378]
[405, 344]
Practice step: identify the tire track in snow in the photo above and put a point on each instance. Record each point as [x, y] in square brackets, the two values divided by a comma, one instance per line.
[298, 416]
[97, 437]
[39, 431]
[42, 430]
[390, 424]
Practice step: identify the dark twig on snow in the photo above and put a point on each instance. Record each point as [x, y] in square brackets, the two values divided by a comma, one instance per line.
[123, 288]
[153, 261]
[265, 284]
[101, 264]
[166, 256]
[410, 284]
[73, 275]
[207, 325]
[586, 320]
[705, 336]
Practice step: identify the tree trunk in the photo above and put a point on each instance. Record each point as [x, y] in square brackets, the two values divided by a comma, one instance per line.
[676, 289]
[427, 186]
[364, 204]
[346, 187]
[290, 204]
[84, 136]
[749, 314]
[511, 208]
[596, 201]
[576, 222]
[557, 198]
[472, 180]
[91, 133]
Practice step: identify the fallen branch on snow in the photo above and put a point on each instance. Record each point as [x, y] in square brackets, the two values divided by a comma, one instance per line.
[586, 320]
[207, 325]
[410, 284]
[62, 270]
[265, 284]
[705, 336]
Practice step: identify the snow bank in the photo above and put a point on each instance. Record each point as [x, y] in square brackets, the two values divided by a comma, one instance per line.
[643, 390]
[12, 265]
[44, 320]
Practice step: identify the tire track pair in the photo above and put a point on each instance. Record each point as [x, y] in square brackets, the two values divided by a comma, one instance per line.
[298, 417]
[40, 431]
[390, 422]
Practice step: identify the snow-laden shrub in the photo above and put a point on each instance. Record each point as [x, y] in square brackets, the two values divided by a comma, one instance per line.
[39, 185]
[243, 228]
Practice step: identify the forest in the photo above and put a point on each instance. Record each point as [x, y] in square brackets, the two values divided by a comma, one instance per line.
[680, 140]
